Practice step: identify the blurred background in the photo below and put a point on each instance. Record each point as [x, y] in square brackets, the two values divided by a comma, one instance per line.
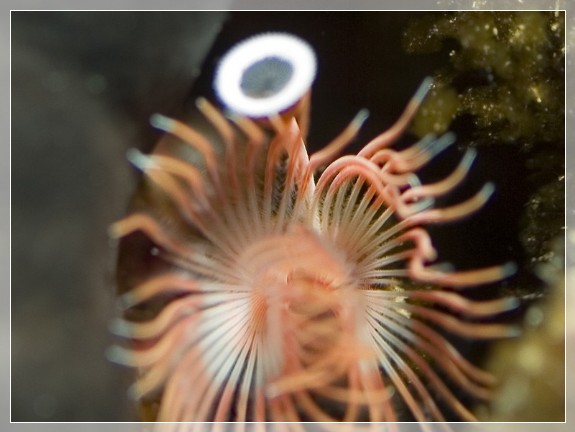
[84, 85]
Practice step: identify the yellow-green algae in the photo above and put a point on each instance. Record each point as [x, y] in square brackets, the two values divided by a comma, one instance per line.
[532, 368]
[506, 73]
[514, 63]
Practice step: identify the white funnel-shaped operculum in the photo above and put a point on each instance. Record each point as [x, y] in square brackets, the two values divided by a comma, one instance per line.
[265, 75]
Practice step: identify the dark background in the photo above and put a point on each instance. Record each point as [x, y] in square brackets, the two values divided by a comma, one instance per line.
[83, 88]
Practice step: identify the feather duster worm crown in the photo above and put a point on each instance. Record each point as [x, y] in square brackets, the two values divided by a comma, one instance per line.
[292, 291]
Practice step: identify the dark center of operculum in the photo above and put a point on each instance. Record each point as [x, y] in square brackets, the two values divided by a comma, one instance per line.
[267, 77]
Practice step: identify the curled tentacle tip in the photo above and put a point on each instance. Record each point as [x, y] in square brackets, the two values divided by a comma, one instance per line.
[430, 137]
[161, 122]
[126, 301]
[469, 157]
[117, 355]
[511, 303]
[138, 159]
[448, 138]
[134, 393]
[201, 102]
[434, 145]
[422, 204]
[120, 327]
[508, 269]
[487, 190]
[361, 117]
[231, 115]
[413, 180]
[423, 89]
[114, 231]
[427, 82]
